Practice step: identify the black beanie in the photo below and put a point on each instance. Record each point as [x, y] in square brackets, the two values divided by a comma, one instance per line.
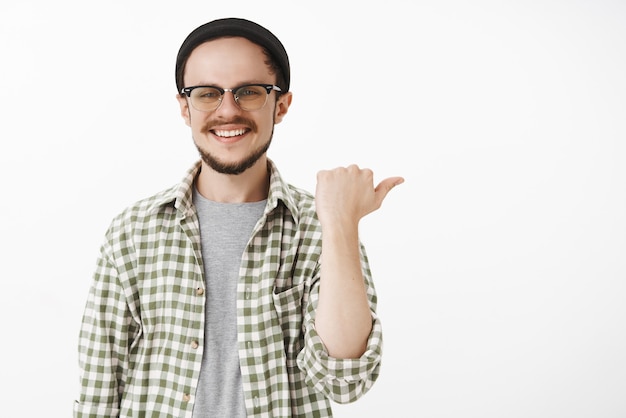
[233, 27]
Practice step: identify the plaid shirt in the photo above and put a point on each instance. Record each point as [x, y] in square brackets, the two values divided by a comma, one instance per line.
[141, 339]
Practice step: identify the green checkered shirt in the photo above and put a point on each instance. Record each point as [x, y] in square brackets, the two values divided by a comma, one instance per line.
[141, 339]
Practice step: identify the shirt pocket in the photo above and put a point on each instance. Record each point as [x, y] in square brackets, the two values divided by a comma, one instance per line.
[288, 307]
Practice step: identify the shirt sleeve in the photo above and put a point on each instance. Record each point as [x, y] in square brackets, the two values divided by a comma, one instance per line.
[105, 336]
[341, 380]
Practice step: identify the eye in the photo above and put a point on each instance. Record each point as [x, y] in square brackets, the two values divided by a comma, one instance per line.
[249, 92]
[206, 93]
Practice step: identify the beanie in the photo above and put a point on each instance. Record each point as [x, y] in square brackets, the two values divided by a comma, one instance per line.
[233, 27]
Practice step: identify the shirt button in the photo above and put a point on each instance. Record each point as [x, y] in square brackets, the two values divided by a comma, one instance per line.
[199, 291]
[186, 397]
[256, 402]
[247, 293]
[194, 344]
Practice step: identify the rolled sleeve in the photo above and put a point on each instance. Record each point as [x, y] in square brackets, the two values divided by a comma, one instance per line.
[341, 380]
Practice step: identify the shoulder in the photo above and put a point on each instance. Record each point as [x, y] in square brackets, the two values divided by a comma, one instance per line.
[174, 201]
[298, 201]
[140, 214]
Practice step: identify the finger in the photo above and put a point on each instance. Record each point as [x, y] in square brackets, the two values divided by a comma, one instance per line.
[385, 187]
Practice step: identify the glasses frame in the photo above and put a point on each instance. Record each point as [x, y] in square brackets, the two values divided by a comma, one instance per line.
[268, 89]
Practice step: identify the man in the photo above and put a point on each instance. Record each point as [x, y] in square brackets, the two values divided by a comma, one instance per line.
[234, 294]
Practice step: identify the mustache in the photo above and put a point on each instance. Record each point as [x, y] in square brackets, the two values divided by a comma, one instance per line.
[237, 120]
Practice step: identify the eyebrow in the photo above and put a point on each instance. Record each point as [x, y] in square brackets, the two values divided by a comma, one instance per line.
[244, 83]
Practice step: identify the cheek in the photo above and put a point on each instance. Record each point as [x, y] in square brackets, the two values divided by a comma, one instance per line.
[197, 121]
[266, 125]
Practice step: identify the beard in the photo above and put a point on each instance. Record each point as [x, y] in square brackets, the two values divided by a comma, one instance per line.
[237, 167]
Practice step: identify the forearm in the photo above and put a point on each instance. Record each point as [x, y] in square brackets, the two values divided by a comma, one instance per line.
[343, 318]
[342, 197]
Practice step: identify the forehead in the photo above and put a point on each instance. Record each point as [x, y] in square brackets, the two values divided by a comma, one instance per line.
[226, 62]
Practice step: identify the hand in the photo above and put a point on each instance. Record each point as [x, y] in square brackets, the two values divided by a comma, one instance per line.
[347, 194]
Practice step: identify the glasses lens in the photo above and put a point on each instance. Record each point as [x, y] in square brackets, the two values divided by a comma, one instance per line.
[251, 97]
[205, 98]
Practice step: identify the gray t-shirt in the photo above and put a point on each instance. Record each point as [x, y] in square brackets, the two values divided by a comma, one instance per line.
[225, 229]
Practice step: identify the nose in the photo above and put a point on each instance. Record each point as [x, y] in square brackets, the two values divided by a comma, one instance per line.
[228, 104]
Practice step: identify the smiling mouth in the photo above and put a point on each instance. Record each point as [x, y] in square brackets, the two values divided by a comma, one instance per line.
[229, 133]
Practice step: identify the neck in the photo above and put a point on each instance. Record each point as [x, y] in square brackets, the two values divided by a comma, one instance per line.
[250, 186]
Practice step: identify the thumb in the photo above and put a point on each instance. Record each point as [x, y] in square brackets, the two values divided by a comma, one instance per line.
[385, 187]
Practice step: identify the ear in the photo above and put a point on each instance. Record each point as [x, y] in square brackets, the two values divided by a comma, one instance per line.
[282, 106]
[184, 108]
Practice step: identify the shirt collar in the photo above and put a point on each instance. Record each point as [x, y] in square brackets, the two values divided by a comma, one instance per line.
[181, 195]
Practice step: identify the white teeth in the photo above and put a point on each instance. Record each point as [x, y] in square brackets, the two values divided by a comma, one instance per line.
[228, 134]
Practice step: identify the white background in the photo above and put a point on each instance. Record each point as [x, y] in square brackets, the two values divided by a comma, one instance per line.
[500, 263]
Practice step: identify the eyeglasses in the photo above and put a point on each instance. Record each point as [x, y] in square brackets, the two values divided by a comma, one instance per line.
[248, 97]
